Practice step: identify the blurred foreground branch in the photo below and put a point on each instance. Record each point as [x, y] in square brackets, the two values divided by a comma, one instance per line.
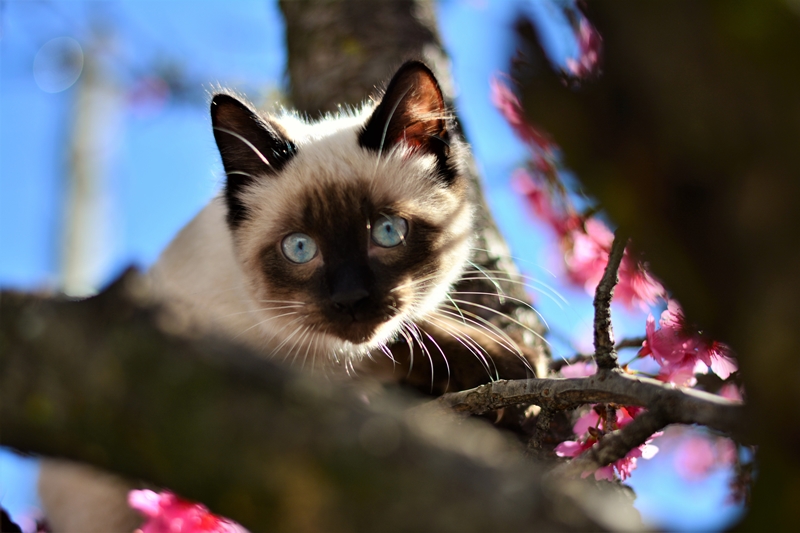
[113, 382]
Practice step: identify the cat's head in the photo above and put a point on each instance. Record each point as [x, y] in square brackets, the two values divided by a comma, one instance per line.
[347, 227]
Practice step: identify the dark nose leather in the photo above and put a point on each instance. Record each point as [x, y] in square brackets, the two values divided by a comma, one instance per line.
[349, 287]
[349, 298]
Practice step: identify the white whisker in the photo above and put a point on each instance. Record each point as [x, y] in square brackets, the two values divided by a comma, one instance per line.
[468, 343]
[245, 141]
[444, 357]
[285, 340]
[551, 293]
[512, 319]
[410, 344]
[490, 279]
[257, 324]
[298, 344]
[479, 323]
[525, 304]
[414, 329]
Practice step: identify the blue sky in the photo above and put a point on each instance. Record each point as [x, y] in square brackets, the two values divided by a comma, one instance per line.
[158, 165]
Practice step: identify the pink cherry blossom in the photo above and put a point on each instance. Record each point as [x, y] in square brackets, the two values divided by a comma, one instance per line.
[586, 243]
[167, 513]
[586, 255]
[587, 258]
[731, 391]
[509, 106]
[623, 467]
[682, 350]
[589, 46]
[562, 219]
[589, 426]
[698, 455]
[695, 458]
[579, 370]
[637, 287]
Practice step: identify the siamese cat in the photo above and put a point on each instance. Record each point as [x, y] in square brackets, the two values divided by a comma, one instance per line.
[330, 241]
[330, 237]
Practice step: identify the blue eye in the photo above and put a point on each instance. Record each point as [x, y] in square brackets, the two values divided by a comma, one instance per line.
[389, 231]
[299, 248]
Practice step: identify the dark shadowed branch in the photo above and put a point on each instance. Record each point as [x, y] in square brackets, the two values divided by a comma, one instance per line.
[677, 405]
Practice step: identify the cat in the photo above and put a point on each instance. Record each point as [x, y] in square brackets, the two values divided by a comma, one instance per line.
[331, 241]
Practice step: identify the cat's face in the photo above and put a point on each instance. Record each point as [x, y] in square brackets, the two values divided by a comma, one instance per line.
[347, 228]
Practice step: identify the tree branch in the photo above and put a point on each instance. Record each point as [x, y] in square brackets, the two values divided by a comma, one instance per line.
[108, 382]
[676, 405]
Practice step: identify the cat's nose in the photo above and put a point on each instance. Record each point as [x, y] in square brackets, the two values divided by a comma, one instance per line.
[347, 299]
[348, 286]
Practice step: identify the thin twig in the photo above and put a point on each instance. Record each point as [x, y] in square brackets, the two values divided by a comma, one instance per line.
[605, 354]
[557, 364]
[629, 342]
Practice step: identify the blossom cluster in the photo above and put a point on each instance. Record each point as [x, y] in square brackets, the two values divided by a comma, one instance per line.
[165, 512]
[680, 349]
[591, 427]
[589, 51]
[585, 242]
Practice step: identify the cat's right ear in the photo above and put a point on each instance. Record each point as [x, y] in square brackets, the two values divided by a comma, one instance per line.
[250, 146]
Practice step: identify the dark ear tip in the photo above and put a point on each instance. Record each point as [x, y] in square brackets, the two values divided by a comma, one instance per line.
[225, 105]
[222, 100]
[415, 66]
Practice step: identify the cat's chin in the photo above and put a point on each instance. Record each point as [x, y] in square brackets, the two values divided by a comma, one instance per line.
[359, 345]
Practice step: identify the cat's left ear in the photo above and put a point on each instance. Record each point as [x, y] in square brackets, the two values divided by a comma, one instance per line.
[412, 111]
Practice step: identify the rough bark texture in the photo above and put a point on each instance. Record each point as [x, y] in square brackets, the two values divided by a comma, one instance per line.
[690, 140]
[111, 382]
[341, 51]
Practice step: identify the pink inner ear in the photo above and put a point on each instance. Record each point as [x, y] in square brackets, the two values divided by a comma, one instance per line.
[417, 134]
[421, 113]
